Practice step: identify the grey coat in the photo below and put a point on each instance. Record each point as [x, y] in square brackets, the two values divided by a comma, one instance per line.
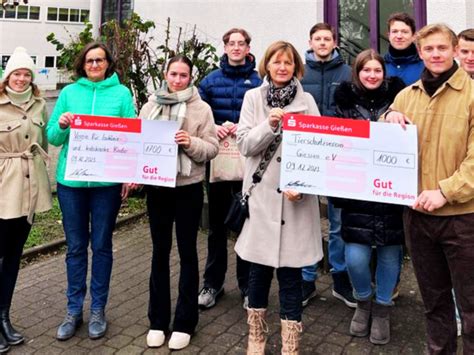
[279, 233]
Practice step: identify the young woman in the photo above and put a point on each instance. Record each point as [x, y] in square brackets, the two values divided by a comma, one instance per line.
[283, 231]
[178, 100]
[370, 224]
[89, 209]
[24, 183]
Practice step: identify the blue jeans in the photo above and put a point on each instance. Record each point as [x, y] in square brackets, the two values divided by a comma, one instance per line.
[388, 267]
[88, 214]
[335, 246]
[289, 282]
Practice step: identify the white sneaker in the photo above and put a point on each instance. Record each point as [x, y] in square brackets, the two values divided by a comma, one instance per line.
[179, 340]
[155, 338]
[208, 296]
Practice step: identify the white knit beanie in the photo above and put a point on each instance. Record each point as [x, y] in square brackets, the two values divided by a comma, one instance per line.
[19, 60]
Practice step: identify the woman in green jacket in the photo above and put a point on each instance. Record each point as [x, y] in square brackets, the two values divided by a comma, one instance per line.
[89, 208]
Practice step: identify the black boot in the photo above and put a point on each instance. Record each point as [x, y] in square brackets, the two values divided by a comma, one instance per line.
[6, 329]
[4, 347]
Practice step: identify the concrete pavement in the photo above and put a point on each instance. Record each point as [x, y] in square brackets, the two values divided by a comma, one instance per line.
[39, 306]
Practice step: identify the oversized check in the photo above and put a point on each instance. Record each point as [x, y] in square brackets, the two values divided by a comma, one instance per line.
[356, 159]
[111, 149]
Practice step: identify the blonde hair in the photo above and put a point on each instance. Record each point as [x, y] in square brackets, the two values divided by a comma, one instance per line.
[435, 28]
[280, 47]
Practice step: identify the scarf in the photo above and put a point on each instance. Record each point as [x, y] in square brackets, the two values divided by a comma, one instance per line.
[401, 53]
[281, 97]
[19, 98]
[431, 83]
[171, 106]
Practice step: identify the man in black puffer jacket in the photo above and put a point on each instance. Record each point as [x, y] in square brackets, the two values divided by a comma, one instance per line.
[324, 71]
[224, 90]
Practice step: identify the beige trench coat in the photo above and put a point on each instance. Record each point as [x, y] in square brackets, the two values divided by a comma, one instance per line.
[279, 233]
[24, 182]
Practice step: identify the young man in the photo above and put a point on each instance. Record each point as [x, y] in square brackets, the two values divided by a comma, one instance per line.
[465, 53]
[224, 90]
[402, 59]
[324, 71]
[440, 226]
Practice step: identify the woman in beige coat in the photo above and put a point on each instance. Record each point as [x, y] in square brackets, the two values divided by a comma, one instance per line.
[24, 183]
[283, 231]
[178, 100]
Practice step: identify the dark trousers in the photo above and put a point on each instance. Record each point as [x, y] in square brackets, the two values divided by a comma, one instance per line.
[442, 252]
[183, 206]
[219, 197]
[13, 235]
[289, 282]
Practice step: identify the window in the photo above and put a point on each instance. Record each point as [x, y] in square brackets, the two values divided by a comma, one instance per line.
[52, 14]
[34, 12]
[63, 14]
[74, 15]
[362, 24]
[10, 13]
[49, 62]
[67, 15]
[22, 12]
[84, 15]
[4, 60]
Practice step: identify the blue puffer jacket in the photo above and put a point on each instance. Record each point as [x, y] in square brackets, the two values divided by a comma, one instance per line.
[224, 88]
[407, 68]
[322, 78]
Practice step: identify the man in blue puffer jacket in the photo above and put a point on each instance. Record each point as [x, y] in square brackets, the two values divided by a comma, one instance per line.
[324, 71]
[402, 58]
[224, 90]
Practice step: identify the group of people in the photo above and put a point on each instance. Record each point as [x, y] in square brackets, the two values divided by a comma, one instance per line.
[417, 82]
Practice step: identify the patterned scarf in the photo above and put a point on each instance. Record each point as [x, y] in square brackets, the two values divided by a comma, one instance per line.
[171, 106]
[281, 97]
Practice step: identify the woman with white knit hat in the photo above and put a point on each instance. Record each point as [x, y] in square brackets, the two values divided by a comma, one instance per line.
[24, 183]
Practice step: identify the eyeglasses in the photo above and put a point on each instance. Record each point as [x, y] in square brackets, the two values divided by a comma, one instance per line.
[241, 44]
[98, 61]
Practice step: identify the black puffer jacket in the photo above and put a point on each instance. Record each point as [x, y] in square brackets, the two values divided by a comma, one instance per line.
[365, 222]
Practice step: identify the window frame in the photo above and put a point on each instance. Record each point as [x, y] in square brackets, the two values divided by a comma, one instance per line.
[331, 16]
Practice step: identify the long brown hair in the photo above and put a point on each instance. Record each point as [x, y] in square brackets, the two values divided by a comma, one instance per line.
[361, 59]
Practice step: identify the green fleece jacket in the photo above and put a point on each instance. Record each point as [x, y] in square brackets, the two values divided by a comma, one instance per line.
[104, 98]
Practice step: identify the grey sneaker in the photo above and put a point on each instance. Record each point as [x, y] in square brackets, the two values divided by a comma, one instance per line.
[208, 297]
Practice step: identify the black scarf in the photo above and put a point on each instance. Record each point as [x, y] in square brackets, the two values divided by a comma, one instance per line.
[281, 97]
[401, 53]
[431, 84]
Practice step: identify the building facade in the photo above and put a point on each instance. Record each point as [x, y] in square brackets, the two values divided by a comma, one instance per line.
[360, 23]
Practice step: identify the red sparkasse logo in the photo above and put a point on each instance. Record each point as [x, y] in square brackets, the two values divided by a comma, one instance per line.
[105, 123]
[326, 125]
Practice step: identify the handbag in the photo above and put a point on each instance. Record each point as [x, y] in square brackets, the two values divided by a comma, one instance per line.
[239, 206]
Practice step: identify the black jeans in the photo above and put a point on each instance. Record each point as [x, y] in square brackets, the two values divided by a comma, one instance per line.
[289, 282]
[442, 252]
[182, 205]
[219, 197]
[13, 235]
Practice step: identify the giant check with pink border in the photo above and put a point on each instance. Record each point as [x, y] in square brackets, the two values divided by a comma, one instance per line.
[355, 159]
[110, 149]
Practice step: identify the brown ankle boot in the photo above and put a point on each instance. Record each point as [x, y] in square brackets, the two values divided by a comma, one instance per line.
[257, 331]
[380, 329]
[360, 321]
[290, 336]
